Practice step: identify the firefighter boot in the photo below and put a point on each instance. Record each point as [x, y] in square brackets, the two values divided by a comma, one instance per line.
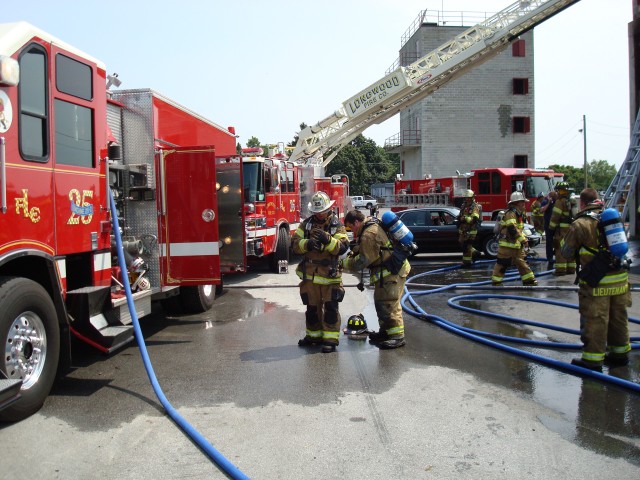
[328, 347]
[532, 282]
[391, 342]
[581, 362]
[376, 337]
[612, 360]
[309, 342]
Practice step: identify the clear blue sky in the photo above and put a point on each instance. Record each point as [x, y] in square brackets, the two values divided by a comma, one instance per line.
[266, 66]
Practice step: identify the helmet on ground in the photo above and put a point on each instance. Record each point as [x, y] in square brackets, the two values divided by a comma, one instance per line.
[320, 202]
[469, 194]
[356, 325]
[517, 197]
[562, 186]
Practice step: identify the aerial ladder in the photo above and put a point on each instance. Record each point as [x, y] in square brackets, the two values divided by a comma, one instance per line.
[318, 144]
[621, 193]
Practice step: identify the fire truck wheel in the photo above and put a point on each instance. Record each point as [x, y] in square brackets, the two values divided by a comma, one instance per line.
[31, 335]
[197, 299]
[490, 246]
[282, 249]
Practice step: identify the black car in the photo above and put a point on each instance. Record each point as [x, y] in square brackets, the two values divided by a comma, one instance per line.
[435, 231]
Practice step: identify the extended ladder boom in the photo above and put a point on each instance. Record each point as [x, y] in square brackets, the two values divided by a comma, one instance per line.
[407, 85]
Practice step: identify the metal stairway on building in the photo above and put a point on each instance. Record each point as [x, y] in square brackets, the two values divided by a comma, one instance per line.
[621, 193]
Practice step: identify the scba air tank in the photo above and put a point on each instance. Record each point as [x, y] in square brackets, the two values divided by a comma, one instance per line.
[398, 229]
[614, 235]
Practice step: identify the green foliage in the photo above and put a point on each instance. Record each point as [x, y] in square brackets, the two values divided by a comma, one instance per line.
[599, 175]
[365, 164]
[253, 142]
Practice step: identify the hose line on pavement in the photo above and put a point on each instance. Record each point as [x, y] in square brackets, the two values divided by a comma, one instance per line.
[494, 340]
[202, 442]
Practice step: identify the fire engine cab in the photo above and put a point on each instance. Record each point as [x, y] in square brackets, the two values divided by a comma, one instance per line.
[66, 145]
[492, 186]
[276, 194]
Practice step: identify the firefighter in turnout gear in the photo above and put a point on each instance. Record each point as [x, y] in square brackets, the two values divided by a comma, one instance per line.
[537, 217]
[373, 250]
[321, 238]
[513, 243]
[603, 297]
[559, 225]
[468, 220]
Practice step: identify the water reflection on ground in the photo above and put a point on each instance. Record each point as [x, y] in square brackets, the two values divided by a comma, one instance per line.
[596, 415]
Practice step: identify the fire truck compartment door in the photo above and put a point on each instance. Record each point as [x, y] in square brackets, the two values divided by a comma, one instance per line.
[231, 215]
[190, 249]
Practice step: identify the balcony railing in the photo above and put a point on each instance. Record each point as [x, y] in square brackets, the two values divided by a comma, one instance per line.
[406, 138]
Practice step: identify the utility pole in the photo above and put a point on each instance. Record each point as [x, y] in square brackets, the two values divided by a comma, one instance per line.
[584, 140]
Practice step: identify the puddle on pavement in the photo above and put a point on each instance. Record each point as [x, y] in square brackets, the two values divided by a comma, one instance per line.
[601, 417]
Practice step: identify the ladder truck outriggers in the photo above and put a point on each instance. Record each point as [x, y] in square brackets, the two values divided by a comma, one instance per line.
[66, 144]
[318, 144]
[276, 194]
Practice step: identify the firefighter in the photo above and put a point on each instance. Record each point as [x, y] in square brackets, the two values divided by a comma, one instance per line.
[373, 250]
[468, 221]
[559, 225]
[321, 238]
[513, 243]
[603, 298]
[536, 214]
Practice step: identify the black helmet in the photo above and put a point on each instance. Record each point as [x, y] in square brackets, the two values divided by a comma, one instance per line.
[356, 325]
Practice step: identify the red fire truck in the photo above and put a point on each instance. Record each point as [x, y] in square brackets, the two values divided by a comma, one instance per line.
[492, 186]
[276, 194]
[66, 143]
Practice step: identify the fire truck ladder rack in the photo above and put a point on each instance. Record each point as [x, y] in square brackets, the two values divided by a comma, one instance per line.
[417, 200]
[407, 85]
[621, 192]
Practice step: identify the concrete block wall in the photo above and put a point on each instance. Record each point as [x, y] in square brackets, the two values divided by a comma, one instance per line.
[467, 124]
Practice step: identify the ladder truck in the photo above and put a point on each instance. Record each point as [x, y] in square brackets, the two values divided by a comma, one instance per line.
[68, 146]
[318, 144]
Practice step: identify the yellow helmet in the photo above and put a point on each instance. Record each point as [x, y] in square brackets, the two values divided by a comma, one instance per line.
[469, 194]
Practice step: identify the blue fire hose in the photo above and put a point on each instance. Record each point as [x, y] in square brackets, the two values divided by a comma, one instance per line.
[494, 340]
[229, 468]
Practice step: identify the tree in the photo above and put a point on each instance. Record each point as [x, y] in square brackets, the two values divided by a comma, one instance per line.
[599, 176]
[365, 163]
[253, 142]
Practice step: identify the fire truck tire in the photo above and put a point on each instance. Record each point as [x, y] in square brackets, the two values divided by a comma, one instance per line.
[282, 249]
[197, 299]
[30, 332]
[490, 246]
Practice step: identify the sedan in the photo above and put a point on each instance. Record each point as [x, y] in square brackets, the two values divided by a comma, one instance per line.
[434, 231]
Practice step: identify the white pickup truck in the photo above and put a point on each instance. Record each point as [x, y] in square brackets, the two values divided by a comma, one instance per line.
[363, 201]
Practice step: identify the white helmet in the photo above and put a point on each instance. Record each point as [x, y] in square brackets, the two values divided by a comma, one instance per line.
[320, 202]
[517, 197]
[469, 194]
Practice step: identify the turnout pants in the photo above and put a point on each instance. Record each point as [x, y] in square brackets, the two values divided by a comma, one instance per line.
[605, 325]
[387, 302]
[506, 258]
[322, 317]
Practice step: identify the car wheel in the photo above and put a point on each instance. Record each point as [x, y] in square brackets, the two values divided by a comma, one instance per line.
[369, 205]
[490, 246]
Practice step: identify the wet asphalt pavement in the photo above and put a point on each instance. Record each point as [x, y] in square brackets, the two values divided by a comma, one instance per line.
[441, 407]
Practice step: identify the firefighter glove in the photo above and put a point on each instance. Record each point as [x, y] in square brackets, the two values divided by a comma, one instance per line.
[313, 244]
[321, 236]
